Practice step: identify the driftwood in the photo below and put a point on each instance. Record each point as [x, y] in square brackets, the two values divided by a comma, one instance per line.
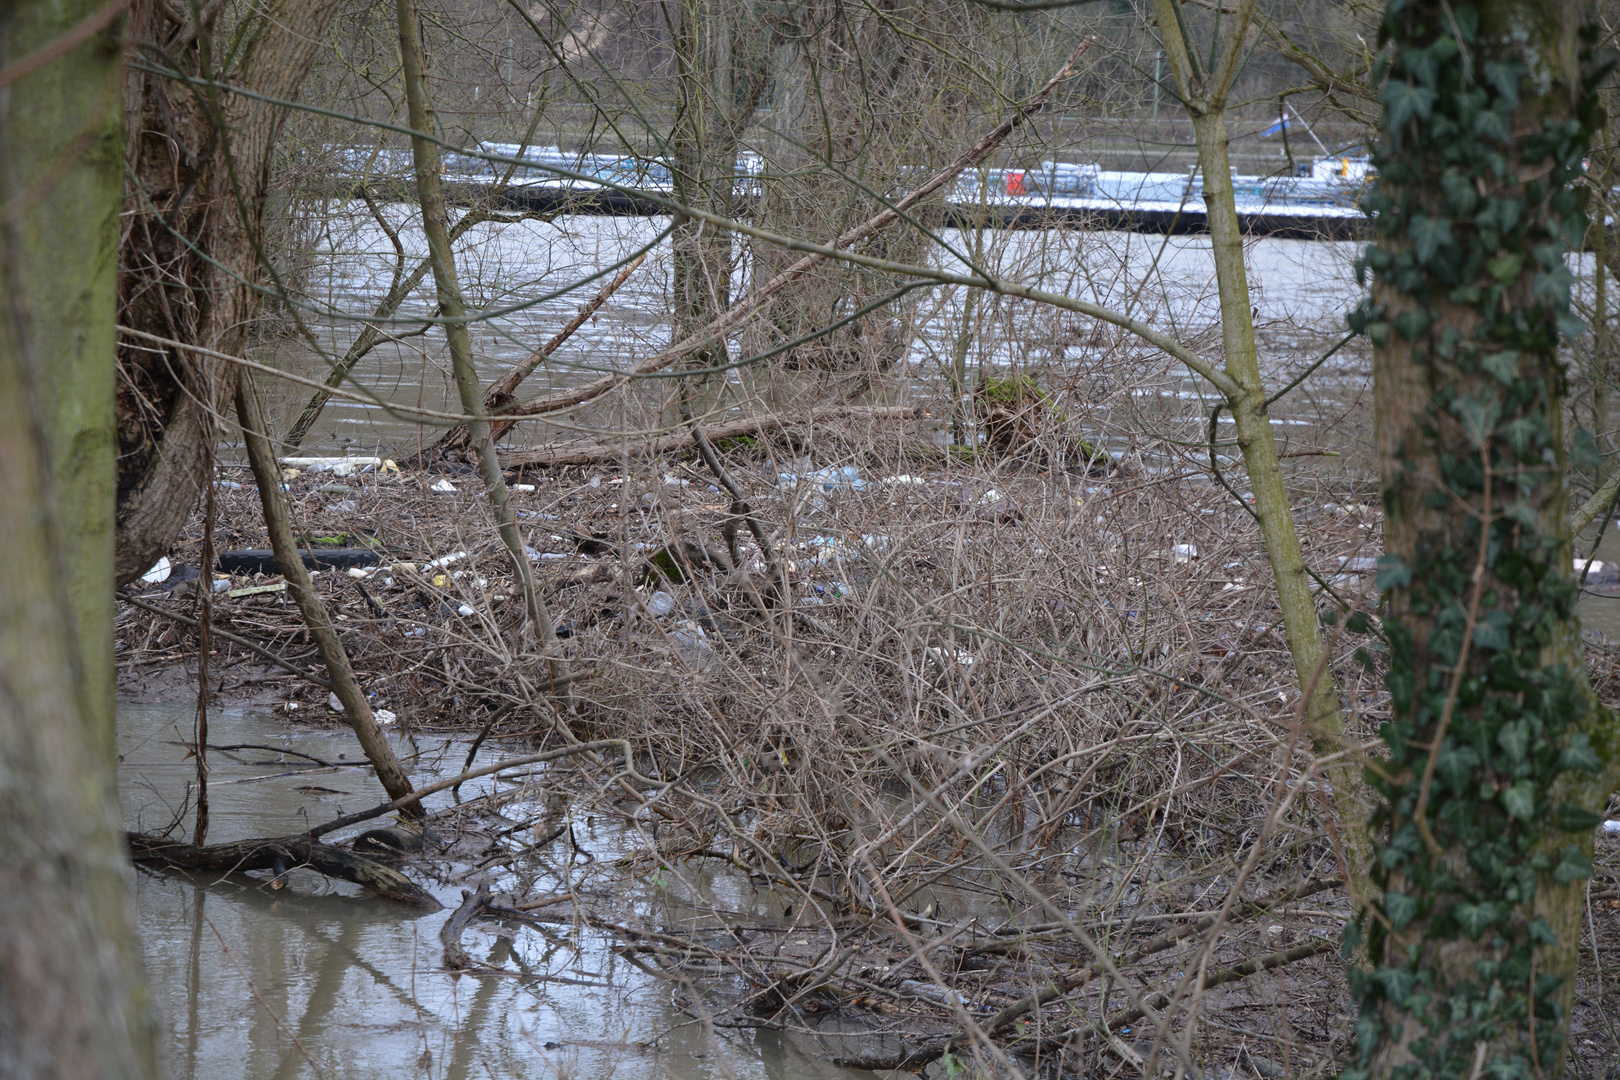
[589, 451]
[235, 639]
[473, 904]
[280, 854]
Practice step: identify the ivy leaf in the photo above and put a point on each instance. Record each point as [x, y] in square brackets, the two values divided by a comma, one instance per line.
[1514, 739]
[1455, 765]
[1522, 434]
[1428, 235]
[1403, 101]
[1398, 983]
[1401, 909]
[1392, 573]
[1572, 867]
[1504, 365]
[1412, 322]
[1520, 800]
[1584, 453]
[1554, 284]
[1504, 78]
[1491, 632]
[1461, 197]
[1574, 228]
[1421, 65]
[1475, 919]
[1478, 417]
[1490, 124]
[1577, 819]
[1505, 268]
[1570, 326]
[1580, 755]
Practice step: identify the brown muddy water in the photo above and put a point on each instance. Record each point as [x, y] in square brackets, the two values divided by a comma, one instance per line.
[246, 980]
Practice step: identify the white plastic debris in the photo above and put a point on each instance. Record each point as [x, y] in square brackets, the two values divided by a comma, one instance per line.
[360, 573]
[464, 610]
[446, 560]
[523, 488]
[1183, 552]
[385, 717]
[442, 485]
[159, 572]
[1611, 828]
[944, 656]
[337, 466]
[660, 604]
[990, 498]
[847, 478]
[221, 585]
[1597, 572]
[692, 643]
[904, 480]
[333, 703]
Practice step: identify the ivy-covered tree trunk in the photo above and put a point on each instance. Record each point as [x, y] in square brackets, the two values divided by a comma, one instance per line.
[1498, 755]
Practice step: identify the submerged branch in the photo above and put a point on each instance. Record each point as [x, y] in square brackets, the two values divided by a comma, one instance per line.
[280, 854]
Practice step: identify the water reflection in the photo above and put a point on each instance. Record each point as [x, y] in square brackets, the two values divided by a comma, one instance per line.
[255, 984]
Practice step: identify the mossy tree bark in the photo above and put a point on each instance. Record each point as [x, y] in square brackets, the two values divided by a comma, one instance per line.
[1499, 757]
[71, 996]
[1204, 94]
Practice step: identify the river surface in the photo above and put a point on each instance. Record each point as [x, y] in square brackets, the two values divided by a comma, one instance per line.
[527, 279]
[247, 981]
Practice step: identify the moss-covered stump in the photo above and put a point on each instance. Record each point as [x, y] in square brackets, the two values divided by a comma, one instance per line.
[1020, 420]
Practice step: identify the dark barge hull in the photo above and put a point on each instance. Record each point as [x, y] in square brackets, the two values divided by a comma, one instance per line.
[547, 199]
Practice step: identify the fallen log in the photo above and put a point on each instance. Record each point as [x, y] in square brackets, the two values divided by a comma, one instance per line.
[280, 854]
[589, 451]
[473, 904]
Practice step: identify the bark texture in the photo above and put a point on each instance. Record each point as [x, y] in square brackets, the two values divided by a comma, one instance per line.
[71, 995]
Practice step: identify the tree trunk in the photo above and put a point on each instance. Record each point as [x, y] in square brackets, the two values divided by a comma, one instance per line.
[1499, 756]
[721, 53]
[1206, 99]
[454, 309]
[339, 672]
[199, 169]
[71, 999]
